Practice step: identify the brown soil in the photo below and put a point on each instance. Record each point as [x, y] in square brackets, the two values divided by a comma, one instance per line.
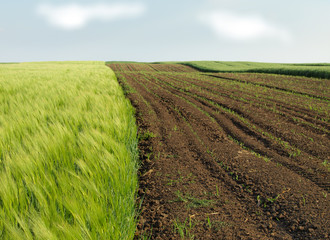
[313, 87]
[222, 159]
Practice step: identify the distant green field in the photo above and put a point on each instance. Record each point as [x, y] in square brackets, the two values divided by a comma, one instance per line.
[321, 70]
[68, 153]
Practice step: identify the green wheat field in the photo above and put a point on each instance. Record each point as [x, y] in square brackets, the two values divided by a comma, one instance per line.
[68, 153]
[69, 148]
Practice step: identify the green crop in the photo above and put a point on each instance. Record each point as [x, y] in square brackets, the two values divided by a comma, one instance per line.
[320, 70]
[68, 153]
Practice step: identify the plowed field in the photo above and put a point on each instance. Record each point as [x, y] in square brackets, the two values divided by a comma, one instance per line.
[230, 156]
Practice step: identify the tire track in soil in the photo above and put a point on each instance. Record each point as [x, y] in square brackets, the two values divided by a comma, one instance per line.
[312, 86]
[194, 147]
[252, 140]
[193, 162]
[234, 106]
[272, 87]
[292, 108]
[294, 111]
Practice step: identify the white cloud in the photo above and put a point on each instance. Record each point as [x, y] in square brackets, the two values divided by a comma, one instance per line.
[243, 28]
[75, 16]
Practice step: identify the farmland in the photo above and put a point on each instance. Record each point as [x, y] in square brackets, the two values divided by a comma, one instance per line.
[318, 70]
[230, 155]
[68, 153]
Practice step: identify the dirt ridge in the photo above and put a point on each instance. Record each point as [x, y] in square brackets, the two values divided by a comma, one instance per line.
[207, 173]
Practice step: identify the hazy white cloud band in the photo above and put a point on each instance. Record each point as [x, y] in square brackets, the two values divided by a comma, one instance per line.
[76, 16]
[242, 27]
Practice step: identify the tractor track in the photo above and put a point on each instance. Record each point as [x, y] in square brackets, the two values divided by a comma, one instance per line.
[203, 168]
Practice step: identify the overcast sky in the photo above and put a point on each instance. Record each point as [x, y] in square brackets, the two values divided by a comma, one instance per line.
[165, 30]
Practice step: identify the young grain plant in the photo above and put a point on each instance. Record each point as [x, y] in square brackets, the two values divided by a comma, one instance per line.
[68, 153]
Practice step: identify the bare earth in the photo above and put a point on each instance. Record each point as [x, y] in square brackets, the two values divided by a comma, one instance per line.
[230, 156]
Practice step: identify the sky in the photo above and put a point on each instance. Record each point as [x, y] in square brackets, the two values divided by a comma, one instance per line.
[295, 31]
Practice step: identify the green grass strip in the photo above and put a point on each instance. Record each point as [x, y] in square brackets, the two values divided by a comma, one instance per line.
[317, 70]
[68, 153]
